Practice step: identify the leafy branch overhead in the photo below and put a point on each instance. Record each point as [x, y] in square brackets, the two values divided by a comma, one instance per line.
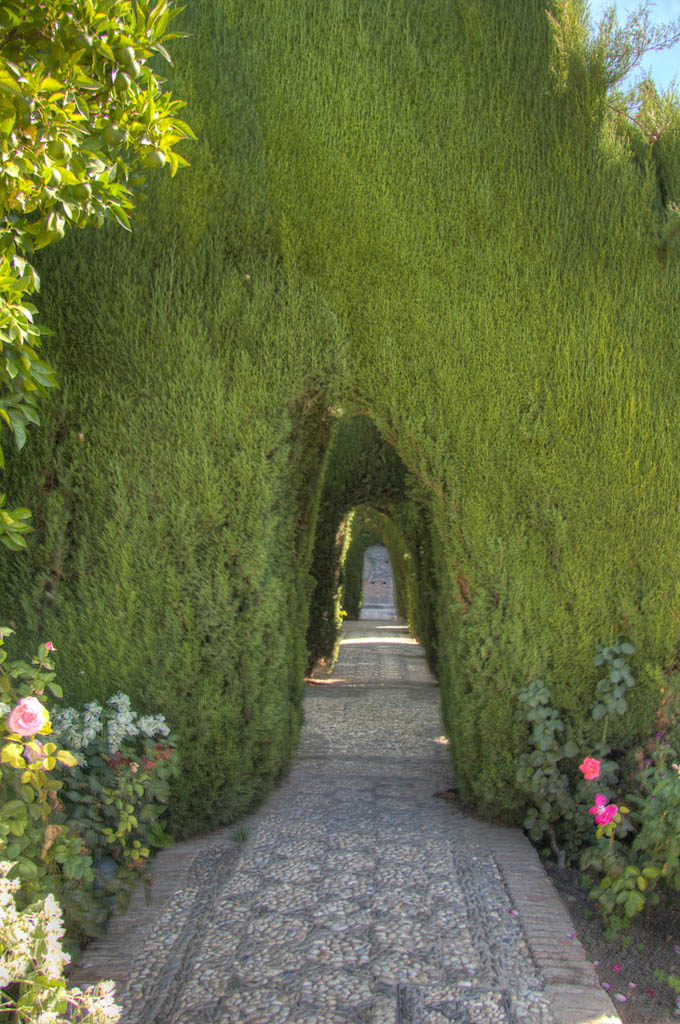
[83, 118]
[595, 60]
[590, 64]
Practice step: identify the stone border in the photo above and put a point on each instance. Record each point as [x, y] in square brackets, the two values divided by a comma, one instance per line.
[571, 982]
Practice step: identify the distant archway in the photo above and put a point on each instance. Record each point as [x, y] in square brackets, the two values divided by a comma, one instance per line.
[377, 586]
[368, 498]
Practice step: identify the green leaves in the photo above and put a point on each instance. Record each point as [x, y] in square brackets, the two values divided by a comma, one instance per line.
[537, 773]
[611, 688]
[14, 525]
[82, 117]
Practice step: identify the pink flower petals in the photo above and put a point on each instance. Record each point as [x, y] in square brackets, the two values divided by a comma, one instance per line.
[604, 815]
[621, 998]
[590, 768]
[605, 984]
[650, 992]
[631, 984]
[616, 967]
[515, 913]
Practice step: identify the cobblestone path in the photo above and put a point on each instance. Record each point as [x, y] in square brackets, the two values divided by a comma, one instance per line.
[360, 896]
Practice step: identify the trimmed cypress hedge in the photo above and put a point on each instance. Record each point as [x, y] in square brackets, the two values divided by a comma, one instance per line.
[397, 209]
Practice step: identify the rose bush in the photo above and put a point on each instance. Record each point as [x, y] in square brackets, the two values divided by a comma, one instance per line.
[635, 849]
[65, 806]
[636, 852]
[40, 841]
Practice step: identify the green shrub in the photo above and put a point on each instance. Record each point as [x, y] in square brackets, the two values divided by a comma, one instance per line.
[112, 777]
[121, 785]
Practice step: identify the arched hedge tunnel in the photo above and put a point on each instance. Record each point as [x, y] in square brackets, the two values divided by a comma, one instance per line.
[394, 209]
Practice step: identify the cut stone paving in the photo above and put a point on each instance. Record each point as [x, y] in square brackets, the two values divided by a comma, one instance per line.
[359, 896]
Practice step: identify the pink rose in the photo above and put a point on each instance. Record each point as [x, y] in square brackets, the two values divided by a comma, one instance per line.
[49, 646]
[604, 812]
[600, 801]
[607, 814]
[28, 717]
[590, 768]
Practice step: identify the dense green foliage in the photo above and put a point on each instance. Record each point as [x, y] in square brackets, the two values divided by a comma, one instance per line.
[172, 510]
[82, 117]
[434, 216]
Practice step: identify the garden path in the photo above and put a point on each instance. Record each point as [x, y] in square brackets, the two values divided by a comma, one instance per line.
[361, 894]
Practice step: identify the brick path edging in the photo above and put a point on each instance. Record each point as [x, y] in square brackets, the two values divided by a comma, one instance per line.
[571, 981]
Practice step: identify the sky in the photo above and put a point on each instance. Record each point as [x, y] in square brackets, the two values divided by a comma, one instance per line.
[663, 66]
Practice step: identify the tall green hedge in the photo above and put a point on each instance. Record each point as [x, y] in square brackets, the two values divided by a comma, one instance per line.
[174, 480]
[398, 209]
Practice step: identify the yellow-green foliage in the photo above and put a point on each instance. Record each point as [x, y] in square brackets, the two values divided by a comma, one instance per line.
[440, 235]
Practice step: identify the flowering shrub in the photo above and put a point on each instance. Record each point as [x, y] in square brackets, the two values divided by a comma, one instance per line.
[113, 725]
[120, 786]
[632, 872]
[62, 810]
[635, 849]
[32, 961]
[557, 805]
[41, 842]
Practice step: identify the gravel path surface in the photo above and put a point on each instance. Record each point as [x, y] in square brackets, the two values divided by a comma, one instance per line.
[360, 895]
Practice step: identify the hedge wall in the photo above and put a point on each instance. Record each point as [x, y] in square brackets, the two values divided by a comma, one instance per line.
[174, 479]
[400, 209]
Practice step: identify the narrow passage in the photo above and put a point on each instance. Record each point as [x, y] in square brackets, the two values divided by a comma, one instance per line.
[360, 895]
